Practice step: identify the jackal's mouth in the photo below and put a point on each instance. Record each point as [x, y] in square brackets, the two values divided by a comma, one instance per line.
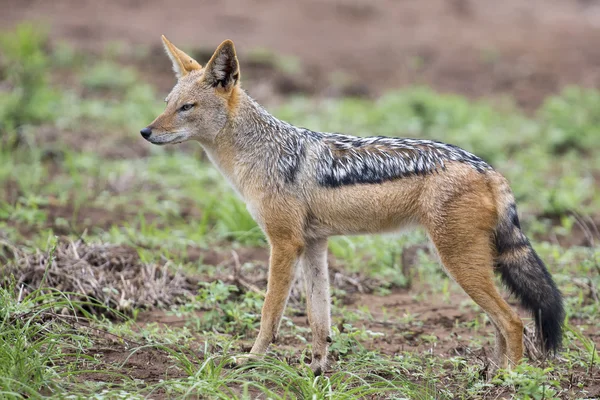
[168, 138]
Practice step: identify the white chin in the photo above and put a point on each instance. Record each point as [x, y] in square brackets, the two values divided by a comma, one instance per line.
[168, 139]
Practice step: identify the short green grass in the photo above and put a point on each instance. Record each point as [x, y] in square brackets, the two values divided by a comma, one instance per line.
[72, 163]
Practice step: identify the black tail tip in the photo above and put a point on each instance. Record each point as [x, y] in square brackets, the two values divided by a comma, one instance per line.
[550, 328]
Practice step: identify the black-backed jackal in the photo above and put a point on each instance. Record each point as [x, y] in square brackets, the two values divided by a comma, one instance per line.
[303, 186]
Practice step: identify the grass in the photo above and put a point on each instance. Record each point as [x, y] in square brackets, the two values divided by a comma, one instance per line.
[38, 347]
[72, 164]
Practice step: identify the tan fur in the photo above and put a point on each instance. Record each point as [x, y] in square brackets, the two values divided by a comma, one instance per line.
[233, 100]
[459, 207]
[461, 225]
[182, 63]
[284, 231]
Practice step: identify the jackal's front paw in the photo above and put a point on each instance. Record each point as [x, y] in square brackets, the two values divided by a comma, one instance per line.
[318, 366]
[239, 361]
[243, 359]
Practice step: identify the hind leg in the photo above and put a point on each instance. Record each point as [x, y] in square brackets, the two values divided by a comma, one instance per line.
[466, 252]
[500, 347]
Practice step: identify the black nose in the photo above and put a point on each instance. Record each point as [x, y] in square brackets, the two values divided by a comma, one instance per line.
[146, 132]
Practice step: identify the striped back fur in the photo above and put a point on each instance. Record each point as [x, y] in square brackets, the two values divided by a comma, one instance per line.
[344, 159]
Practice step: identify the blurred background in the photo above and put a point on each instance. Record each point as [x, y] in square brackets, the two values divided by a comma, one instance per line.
[525, 49]
[97, 222]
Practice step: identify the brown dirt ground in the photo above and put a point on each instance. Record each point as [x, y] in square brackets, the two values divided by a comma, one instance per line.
[525, 49]
[437, 317]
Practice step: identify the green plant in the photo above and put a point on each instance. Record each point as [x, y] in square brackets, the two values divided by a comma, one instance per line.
[25, 67]
[572, 120]
[234, 221]
[233, 314]
[350, 339]
[39, 352]
[529, 382]
[107, 75]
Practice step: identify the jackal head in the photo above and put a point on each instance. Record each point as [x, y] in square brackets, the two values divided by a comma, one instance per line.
[203, 99]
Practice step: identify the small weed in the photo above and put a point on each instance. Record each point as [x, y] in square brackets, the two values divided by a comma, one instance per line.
[529, 382]
[236, 314]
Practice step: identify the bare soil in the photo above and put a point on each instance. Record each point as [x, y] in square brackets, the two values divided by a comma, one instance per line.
[147, 364]
[526, 49]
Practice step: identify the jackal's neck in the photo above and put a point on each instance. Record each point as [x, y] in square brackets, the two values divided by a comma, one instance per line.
[254, 145]
[253, 122]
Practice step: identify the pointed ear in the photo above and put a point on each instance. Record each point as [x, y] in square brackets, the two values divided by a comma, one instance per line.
[223, 70]
[182, 63]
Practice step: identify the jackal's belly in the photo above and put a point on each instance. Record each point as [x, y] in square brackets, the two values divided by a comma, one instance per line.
[360, 209]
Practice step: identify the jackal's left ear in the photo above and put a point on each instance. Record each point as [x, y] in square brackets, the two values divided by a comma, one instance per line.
[182, 63]
[223, 69]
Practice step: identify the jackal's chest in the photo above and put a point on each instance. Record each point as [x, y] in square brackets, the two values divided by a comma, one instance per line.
[227, 167]
[255, 213]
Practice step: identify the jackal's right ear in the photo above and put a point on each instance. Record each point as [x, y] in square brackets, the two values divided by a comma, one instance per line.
[182, 63]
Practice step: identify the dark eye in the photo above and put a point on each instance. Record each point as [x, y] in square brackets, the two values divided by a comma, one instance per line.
[186, 107]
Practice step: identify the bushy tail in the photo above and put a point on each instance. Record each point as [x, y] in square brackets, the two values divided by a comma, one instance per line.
[526, 276]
